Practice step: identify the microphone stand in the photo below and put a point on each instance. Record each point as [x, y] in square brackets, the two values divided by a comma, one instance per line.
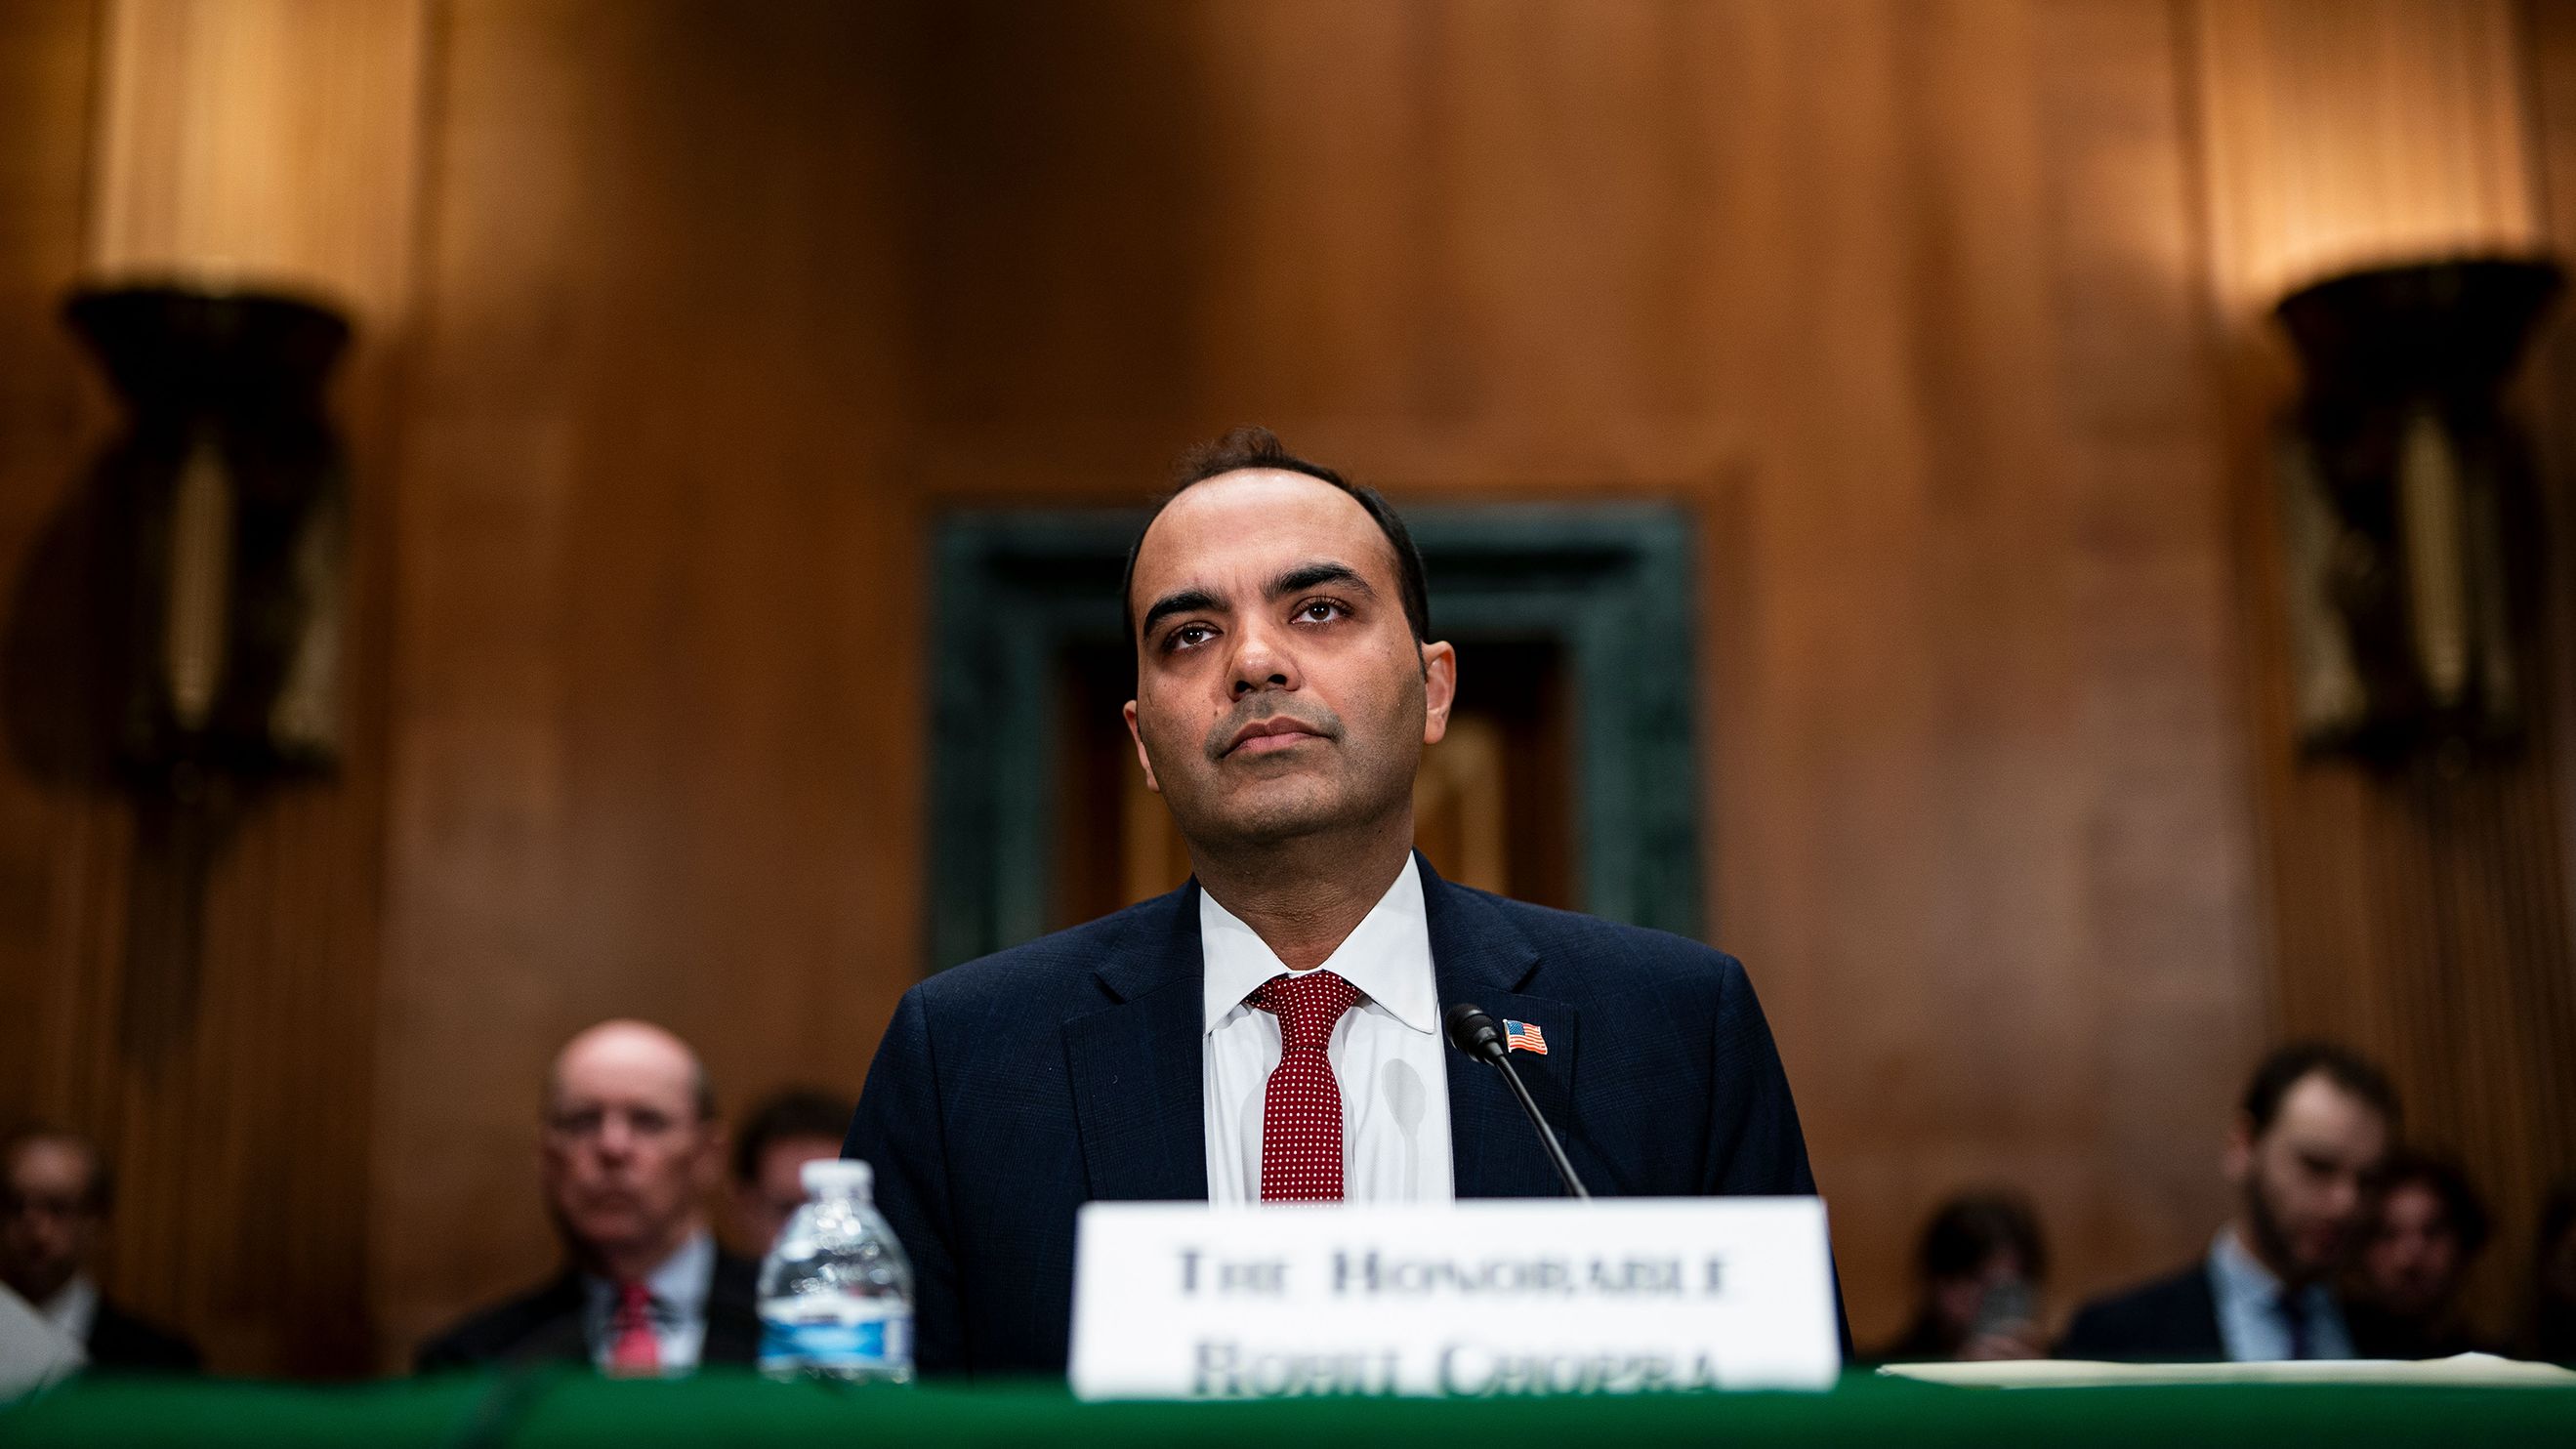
[1473, 1032]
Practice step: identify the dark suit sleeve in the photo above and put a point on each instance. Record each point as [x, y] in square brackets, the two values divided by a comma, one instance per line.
[1755, 1148]
[122, 1343]
[2089, 1336]
[899, 1132]
[2171, 1320]
[442, 1354]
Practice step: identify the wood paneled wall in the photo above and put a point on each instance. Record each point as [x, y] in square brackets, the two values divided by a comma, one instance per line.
[2419, 913]
[1906, 302]
[656, 732]
[217, 1038]
[1937, 313]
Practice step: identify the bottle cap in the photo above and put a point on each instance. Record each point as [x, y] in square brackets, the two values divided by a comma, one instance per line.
[836, 1174]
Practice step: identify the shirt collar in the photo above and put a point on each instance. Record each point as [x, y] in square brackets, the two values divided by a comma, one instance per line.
[678, 1284]
[2242, 1278]
[73, 1308]
[1387, 956]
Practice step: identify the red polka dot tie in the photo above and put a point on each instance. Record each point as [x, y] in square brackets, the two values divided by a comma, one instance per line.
[1301, 1111]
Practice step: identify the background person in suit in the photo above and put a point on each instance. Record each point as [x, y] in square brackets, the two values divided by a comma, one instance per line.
[2304, 1157]
[56, 1195]
[770, 1150]
[2403, 1300]
[628, 1152]
[1272, 1030]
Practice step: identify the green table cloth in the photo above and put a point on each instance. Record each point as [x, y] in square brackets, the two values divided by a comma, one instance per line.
[574, 1409]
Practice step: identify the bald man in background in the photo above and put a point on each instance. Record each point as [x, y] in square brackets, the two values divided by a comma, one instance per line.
[629, 1149]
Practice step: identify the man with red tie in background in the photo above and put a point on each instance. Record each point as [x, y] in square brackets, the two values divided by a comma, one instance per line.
[1272, 1030]
[628, 1150]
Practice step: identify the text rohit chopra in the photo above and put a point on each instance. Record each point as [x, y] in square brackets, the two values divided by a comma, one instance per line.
[1232, 1369]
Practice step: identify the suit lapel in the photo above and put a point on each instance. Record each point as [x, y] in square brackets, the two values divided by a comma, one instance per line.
[1135, 1066]
[556, 1333]
[1476, 956]
[733, 1312]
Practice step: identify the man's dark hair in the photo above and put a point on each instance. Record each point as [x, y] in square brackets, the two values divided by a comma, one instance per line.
[1252, 447]
[1970, 1229]
[2462, 1205]
[782, 1116]
[101, 1197]
[2290, 1065]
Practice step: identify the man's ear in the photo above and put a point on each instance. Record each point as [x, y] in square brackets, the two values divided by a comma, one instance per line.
[1142, 758]
[714, 1138]
[2239, 1159]
[1439, 689]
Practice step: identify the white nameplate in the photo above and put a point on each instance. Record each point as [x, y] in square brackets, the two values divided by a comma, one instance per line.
[1618, 1295]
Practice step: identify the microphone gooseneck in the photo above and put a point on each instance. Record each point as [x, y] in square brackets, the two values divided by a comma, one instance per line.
[1473, 1032]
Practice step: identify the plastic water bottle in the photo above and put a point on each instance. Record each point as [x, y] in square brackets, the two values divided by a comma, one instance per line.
[836, 1289]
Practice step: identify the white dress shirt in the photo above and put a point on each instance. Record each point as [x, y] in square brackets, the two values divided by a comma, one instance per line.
[1385, 1053]
[679, 1288]
[73, 1309]
[2252, 1321]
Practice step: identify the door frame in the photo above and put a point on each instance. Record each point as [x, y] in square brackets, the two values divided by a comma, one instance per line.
[1610, 584]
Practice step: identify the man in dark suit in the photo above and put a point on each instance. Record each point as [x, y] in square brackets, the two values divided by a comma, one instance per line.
[2304, 1159]
[56, 1195]
[629, 1149]
[1272, 1030]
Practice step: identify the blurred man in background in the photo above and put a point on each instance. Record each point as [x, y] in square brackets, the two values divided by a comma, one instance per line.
[56, 1192]
[2304, 1157]
[629, 1150]
[792, 1128]
[2404, 1297]
[1981, 1262]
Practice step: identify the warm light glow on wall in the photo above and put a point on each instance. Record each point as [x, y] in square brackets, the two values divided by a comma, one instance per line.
[259, 143]
[2348, 133]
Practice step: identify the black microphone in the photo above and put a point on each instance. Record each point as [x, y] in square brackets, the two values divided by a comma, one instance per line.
[1473, 1032]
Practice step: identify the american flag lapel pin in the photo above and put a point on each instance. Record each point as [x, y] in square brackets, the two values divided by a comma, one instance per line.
[1523, 1036]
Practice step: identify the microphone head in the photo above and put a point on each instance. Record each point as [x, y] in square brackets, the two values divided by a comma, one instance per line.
[1472, 1031]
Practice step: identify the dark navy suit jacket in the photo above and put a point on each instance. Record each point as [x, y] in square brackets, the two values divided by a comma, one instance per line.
[544, 1325]
[1010, 1090]
[2173, 1319]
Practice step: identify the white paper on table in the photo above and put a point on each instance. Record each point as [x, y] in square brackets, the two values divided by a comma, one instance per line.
[2467, 1370]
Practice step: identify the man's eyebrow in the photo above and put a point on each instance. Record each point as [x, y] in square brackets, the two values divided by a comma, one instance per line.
[1183, 602]
[1322, 571]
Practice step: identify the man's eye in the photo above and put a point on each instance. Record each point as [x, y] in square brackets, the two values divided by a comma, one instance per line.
[1188, 636]
[1319, 611]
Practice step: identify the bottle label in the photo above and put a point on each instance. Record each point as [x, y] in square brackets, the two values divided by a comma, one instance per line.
[843, 1333]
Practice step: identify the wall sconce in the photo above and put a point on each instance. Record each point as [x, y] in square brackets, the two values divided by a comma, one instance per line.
[225, 509]
[2406, 503]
